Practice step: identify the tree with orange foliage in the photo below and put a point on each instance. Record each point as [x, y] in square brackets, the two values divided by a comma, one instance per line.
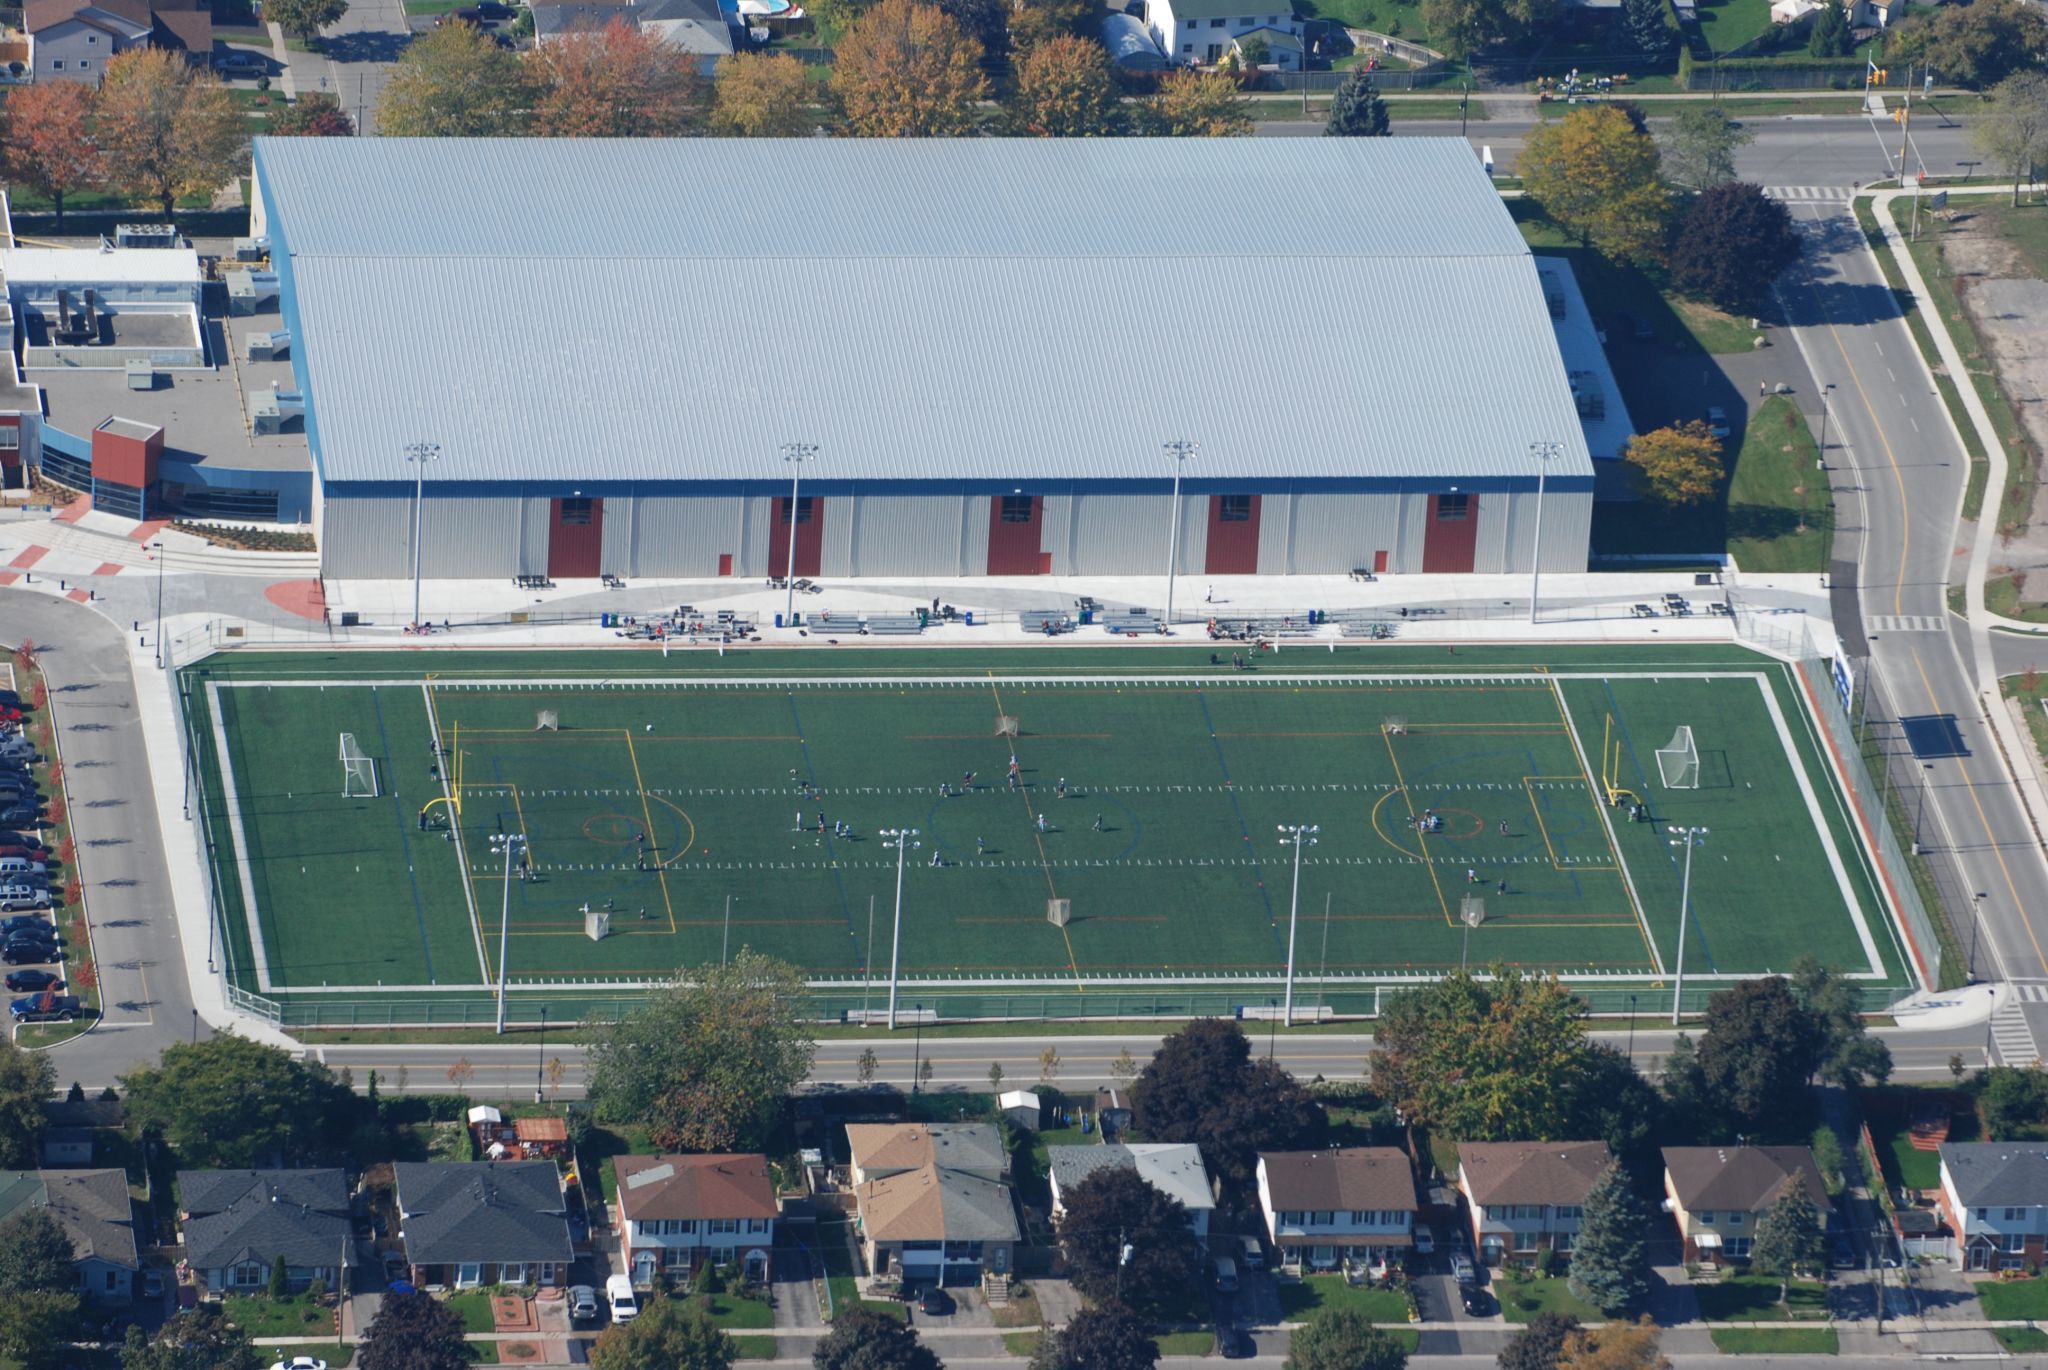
[1192, 104]
[1065, 90]
[49, 144]
[763, 95]
[907, 71]
[619, 81]
[1617, 1346]
[167, 130]
[1595, 173]
[1678, 465]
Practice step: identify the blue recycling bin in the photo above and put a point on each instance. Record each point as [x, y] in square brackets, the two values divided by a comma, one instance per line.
[970, 618]
[778, 620]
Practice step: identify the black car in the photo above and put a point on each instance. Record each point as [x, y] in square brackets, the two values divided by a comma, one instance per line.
[1478, 1303]
[1234, 1343]
[16, 922]
[33, 981]
[19, 953]
[33, 941]
[32, 841]
[934, 1302]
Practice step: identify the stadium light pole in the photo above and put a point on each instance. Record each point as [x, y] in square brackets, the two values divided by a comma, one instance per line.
[158, 548]
[419, 454]
[796, 454]
[1180, 449]
[506, 844]
[1296, 836]
[1687, 838]
[1544, 453]
[902, 839]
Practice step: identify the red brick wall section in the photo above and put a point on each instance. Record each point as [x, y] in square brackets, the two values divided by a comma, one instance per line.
[126, 460]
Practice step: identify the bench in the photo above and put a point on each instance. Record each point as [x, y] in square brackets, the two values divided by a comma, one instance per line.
[1287, 625]
[533, 582]
[1045, 621]
[1132, 624]
[610, 581]
[892, 624]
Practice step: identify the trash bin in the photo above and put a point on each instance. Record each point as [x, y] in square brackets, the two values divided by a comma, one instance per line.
[1087, 617]
[970, 618]
[778, 620]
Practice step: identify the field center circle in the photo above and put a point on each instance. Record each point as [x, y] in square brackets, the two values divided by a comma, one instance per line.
[612, 829]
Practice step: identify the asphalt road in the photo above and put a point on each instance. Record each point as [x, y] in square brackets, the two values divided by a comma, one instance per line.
[120, 851]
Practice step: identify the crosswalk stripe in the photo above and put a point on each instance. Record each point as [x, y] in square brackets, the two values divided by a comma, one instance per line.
[1906, 623]
[2011, 1035]
[2033, 994]
[1809, 194]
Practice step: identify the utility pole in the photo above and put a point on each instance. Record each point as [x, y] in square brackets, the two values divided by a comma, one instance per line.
[903, 840]
[1296, 836]
[1687, 838]
[796, 454]
[1180, 449]
[419, 454]
[1545, 453]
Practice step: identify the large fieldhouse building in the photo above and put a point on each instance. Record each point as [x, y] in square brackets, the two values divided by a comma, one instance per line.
[989, 342]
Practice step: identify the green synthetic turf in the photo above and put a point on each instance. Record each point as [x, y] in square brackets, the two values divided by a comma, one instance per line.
[1190, 777]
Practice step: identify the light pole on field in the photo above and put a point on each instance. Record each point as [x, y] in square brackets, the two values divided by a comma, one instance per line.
[419, 454]
[1688, 838]
[1544, 453]
[902, 840]
[509, 845]
[1180, 449]
[1296, 836]
[158, 548]
[796, 454]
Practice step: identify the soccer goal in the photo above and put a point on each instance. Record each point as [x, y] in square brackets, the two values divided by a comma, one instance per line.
[358, 771]
[1678, 765]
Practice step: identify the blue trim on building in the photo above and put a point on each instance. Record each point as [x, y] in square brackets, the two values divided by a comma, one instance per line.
[288, 306]
[294, 489]
[827, 489]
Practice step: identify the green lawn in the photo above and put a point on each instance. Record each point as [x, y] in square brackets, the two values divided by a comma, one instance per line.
[1780, 513]
[1396, 18]
[1022, 1344]
[1731, 23]
[475, 1307]
[736, 1314]
[2003, 595]
[2022, 1341]
[261, 1316]
[1185, 1343]
[335, 1355]
[2013, 1300]
[1303, 1298]
[1522, 1301]
[1613, 288]
[1776, 1341]
[834, 1247]
[755, 1348]
[1754, 1298]
[1888, 1110]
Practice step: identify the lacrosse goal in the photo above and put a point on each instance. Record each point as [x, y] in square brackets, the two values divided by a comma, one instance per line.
[1678, 764]
[358, 771]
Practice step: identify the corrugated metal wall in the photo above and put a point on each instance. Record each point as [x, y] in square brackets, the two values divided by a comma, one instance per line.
[974, 533]
[683, 537]
[617, 557]
[760, 512]
[536, 516]
[912, 535]
[835, 552]
[1194, 532]
[1334, 533]
[1056, 522]
[1118, 535]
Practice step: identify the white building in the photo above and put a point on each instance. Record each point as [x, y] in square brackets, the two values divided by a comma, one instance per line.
[1995, 1198]
[1200, 32]
[1323, 1206]
[679, 1212]
[1175, 1169]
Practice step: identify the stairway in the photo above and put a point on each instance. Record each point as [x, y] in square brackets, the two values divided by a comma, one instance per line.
[996, 1288]
[2012, 1037]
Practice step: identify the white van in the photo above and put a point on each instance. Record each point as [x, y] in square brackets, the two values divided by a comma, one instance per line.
[618, 1292]
[18, 870]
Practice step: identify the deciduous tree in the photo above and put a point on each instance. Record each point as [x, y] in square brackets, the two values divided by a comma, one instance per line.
[906, 70]
[1114, 1210]
[1108, 1337]
[709, 1063]
[2013, 133]
[228, 1101]
[1699, 146]
[413, 1332]
[1064, 89]
[1732, 243]
[669, 1334]
[36, 1329]
[1343, 1339]
[26, 1079]
[1036, 21]
[312, 115]
[2014, 1103]
[49, 144]
[1677, 465]
[763, 95]
[1610, 1256]
[1196, 104]
[987, 22]
[1539, 1344]
[35, 1254]
[166, 130]
[1848, 1056]
[453, 82]
[1646, 25]
[1356, 111]
[1759, 1050]
[304, 18]
[1789, 1239]
[1975, 45]
[1203, 1086]
[1617, 1346]
[200, 1339]
[1595, 174]
[861, 1339]
[1458, 26]
[619, 81]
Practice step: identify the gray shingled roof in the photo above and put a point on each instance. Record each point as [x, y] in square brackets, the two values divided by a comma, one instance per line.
[239, 1216]
[924, 309]
[1175, 1169]
[482, 1211]
[92, 1205]
[1987, 1174]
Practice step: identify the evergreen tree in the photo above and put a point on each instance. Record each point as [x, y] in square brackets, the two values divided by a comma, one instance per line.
[1357, 111]
[1643, 23]
[1830, 35]
[1610, 1260]
[1788, 1238]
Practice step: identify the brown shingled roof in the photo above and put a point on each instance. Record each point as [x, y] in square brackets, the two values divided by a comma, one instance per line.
[1747, 1178]
[1359, 1177]
[1532, 1172]
[689, 1187]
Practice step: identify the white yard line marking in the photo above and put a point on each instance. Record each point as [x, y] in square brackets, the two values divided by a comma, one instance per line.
[476, 927]
[234, 807]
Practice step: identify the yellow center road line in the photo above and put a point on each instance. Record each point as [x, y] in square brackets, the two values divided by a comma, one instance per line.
[1421, 841]
[1044, 860]
[647, 816]
[1984, 820]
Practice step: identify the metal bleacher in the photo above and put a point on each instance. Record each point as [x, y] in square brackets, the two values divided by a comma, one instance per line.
[893, 624]
[1263, 625]
[1044, 621]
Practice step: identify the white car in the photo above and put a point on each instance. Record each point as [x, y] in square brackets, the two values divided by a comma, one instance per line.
[300, 1363]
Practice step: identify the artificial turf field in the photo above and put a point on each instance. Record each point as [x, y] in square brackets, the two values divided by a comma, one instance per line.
[673, 786]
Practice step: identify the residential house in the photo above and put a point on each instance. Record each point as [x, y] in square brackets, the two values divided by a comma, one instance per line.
[1200, 32]
[96, 1213]
[73, 40]
[695, 26]
[236, 1223]
[1175, 1169]
[678, 1212]
[1994, 1196]
[1717, 1193]
[1283, 47]
[1320, 1207]
[483, 1222]
[1526, 1197]
[933, 1201]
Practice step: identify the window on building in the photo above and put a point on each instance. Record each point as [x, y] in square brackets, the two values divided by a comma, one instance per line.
[720, 1227]
[1216, 23]
[576, 513]
[2014, 1242]
[57, 64]
[84, 64]
[10, 438]
[1188, 47]
[1323, 1219]
[1290, 1218]
[1570, 1212]
[803, 510]
[1706, 1217]
[2013, 1215]
[1234, 509]
[1983, 1215]
[1735, 1220]
[1017, 508]
[1562, 1241]
[1453, 508]
[677, 1255]
[1736, 1248]
[1191, 23]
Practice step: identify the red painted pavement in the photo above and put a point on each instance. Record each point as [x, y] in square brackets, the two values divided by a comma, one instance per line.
[81, 596]
[76, 510]
[108, 568]
[145, 532]
[27, 557]
[304, 598]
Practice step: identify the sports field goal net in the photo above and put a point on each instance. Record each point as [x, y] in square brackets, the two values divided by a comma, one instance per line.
[358, 771]
[1678, 764]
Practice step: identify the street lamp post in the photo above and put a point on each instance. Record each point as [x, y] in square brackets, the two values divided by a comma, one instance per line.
[1544, 453]
[903, 840]
[540, 1061]
[1180, 449]
[917, 1049]
[508, 844]
[796, 454]
[1825, 391]
[1688, 838]
[419, 454]
[158, 548]
[1296, 836]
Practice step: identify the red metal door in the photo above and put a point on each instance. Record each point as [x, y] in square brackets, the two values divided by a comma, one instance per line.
[810, 536]
[1233, 535]
[1013, 535]
[576, 538]
[1453, 533]
[1379, 563]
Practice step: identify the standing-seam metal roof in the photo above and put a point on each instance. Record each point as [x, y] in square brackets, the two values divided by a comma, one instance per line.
[921, 309]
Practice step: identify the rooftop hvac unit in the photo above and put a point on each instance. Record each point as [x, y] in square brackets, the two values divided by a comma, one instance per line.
[272, 411]
[1588, 395]
[146, 235]
[249, 291]
[269, 347]
[141, 374]
[251, 249]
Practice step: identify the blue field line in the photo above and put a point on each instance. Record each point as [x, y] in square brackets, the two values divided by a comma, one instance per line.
[419, 911]
[1258, 862]
[803, 743]
[1697, 922]
[1542, 797]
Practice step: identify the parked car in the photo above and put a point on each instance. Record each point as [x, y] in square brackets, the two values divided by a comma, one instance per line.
[1841, 1255]
[1461, 1268]
[30, 954]
[241, 62]
[1425, 1239]
[30, 981]
[1717, 421]
[1254, 1256]
[582, 1303]
[1234, 1343]
[618, 1292]
[1226, 1275]
[300, 1363]
[44, 1008]
[14, 897]
[15, 922]
[1478, 1303]
[934, 1302]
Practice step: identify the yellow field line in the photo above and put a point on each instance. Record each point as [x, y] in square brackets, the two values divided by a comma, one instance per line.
[1593, 798]
[1044, 861]
[1421, 842]
[1544, 828]
[647, 816]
